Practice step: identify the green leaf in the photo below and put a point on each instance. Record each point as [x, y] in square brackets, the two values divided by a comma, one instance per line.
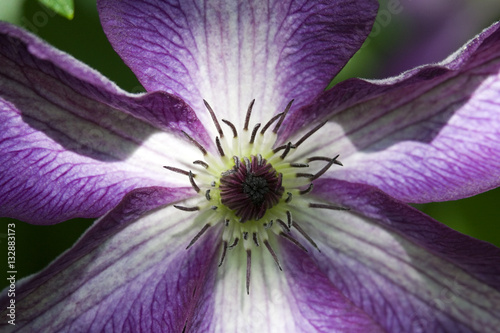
[64, 8]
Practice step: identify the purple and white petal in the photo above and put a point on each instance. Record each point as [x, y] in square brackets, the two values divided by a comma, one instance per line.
[230, 52]
[431, 134]
[278, 300]
[403, 269]
[68, 147]
[129, 272]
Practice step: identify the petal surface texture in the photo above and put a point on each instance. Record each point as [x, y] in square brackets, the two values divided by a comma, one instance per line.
[129, 272]
[230, 52]
[383, 267]
[408, 272]
[72, 142]
[431, 134]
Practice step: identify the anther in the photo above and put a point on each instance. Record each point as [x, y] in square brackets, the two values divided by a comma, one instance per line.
[268, 225]
[248, 165]
[283, 225]
[259, 159]
[245, 235]
[270, 122]
[226, 222]
[219, 146]
[196, 143]
[306, 236]
[249, 269]
[214, 207]
[275, 257]
[187, 209]
[304, 175]
[289, 218]
[249, 113]
[203, 164]
[207, 194]
[326, 206]
[287, 150]
[308, 134]
[198, 235]
[325, 168]
[254, 133]
[278, 125]
[233, 128]
[324, 158]
[236, 162]
[182, 172]
[191, 180]
[293, 241]
[299, 165]
[255, 239]
[307, 190]
[277, 149]
[289, 198]
[224, 248]
[235, 242]
[214, 119]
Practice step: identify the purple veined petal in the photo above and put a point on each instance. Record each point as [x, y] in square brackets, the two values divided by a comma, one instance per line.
[67, 148]
[431, 134]
[129, 272]
[279, 301]
[406, 271]
[230, 52]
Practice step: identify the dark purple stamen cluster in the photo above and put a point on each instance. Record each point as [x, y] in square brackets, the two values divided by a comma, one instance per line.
[250, 188]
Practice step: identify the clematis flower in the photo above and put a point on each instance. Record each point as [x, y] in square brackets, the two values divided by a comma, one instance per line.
[212, 223]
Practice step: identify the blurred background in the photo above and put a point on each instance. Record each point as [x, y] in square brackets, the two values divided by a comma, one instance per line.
[406, 34]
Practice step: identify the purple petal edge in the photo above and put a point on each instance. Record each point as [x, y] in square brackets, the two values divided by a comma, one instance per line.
[431, 134]
[159, 297]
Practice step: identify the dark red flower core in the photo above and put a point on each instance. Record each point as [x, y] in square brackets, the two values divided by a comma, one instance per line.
[250, 188]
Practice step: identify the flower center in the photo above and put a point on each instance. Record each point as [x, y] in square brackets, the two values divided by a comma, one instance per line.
[251, 188]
